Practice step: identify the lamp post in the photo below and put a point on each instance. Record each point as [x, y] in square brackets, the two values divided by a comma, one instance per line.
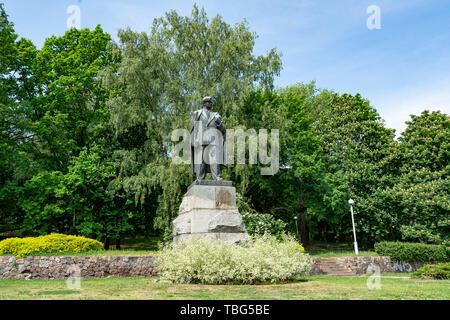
[296, 227]
[355, 244]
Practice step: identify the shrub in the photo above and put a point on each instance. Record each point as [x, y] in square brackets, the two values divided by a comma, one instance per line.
[405, 251]
[265, 259]
[258, 224]
[168, 235]
[52, 243]
[435, 271]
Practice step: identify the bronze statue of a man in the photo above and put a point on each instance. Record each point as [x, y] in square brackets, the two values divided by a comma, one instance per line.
[208, 142]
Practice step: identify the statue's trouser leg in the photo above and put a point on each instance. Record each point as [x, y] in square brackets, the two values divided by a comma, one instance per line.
[201, 171]
[214, 166]
[215, 172]
[201, 167]
[209, 159]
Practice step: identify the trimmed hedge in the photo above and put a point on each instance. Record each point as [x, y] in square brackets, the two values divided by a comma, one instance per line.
[435, 271]
[406, 251]
[52, 243]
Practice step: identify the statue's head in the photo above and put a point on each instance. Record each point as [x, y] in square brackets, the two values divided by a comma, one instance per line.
[208, 102]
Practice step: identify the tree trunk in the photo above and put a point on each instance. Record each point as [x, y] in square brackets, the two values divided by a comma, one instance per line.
[74, 229]
[169, 219]
[107, 240]
[118, 244]
[323, 231]
[304, 230]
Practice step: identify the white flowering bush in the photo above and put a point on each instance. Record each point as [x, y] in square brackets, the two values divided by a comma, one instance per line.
[265, 259]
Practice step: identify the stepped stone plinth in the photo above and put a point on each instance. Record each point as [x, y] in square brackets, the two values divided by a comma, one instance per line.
[209, 210]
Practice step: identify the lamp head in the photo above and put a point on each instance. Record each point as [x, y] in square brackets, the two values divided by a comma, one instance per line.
[351, 201]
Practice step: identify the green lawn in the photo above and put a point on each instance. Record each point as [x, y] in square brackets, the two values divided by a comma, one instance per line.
[313, 287]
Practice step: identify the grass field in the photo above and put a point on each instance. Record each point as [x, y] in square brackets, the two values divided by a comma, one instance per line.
[392, 287]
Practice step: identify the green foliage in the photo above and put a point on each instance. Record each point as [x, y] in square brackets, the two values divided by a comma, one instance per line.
[168, 236]
[69, 102]
[316, 186]
[425, 141]
[361, 159]
[439, 271]
[44, 211]
[7, 59]
[405, 251]
[415, 201]
[15, 81]
[333, 147]
[258, 224]
[56, 109]
[22, 247]
[262, 223]
[421, 195]
[265, 259]
[77, 202]
[97, 212]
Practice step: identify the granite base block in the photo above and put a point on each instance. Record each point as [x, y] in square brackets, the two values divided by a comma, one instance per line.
[210, 211]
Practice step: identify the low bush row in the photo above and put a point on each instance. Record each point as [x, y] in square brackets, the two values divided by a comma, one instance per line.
[406, 251]
[52, 243]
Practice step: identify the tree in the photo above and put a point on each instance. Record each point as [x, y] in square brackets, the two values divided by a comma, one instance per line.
[74, 143]
[44, 211]
[15, 64]
[421, 196]
[162, 77]
[69, 104]
[8, 48]
[60, 111]
[425, 141]
[305, 187]
[363, 159]
[97, 212]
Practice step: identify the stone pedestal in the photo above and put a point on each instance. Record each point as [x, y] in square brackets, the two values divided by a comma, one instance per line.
[208, 210]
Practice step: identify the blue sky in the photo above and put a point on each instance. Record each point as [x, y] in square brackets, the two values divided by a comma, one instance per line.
[402, 68]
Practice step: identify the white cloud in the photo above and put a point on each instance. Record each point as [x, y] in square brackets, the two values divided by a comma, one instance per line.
[396, 108]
